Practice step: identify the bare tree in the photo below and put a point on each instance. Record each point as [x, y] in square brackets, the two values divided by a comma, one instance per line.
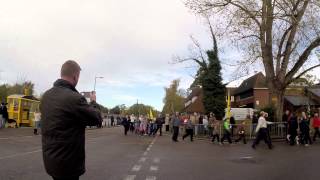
[198, 55]
[283, 35]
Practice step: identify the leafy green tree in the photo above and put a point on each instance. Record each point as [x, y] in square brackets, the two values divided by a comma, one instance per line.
[141, 109]
[115, 110]
[173, 100]
[18, 88]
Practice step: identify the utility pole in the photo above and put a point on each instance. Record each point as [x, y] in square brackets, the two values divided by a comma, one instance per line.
[95, 82]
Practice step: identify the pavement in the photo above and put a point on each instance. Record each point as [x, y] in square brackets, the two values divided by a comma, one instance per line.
[112, 156]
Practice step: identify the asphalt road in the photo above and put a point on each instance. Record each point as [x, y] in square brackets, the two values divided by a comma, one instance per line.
[111, 155]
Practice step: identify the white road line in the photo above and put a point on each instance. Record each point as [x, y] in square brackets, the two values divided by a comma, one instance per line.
[246, 157]
[154, 168]
[156, 160]
[145, 153]
[143, 159]
[148, 149]
[130, 177]
[151, 178]
[136, 168]
[20, 154]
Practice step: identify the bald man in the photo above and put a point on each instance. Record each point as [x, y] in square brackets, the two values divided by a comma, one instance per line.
[65, 115]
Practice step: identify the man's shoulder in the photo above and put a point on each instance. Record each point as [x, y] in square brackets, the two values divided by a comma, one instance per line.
[62, 92]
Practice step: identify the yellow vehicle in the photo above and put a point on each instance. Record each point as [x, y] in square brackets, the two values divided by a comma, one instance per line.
[21, 109]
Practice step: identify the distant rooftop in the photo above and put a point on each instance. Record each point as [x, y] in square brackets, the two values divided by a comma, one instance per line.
[236, 83]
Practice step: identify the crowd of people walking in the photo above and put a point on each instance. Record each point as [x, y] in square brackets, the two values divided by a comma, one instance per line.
[296, 128]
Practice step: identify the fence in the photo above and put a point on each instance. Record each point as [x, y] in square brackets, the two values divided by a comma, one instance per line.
[277, 130]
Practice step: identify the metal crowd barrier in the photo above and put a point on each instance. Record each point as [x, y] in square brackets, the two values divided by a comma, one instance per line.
[277, 130]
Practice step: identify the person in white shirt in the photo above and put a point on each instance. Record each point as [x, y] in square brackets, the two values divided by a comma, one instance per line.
[262, 131]
[205, 124]
[37, 118]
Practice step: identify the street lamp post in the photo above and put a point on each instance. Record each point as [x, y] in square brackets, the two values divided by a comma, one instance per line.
[95, 81]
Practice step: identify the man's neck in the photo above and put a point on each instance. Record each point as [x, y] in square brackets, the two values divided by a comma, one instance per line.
[68, 79]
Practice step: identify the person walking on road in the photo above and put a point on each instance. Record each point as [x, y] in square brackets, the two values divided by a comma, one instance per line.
[189, 130]
[305, 129]
[211, 119]
[159, 122]
[254, 122]
[167, 122]
[176, 125]
[216, 130]
[126, 125]
[37, 118]
[233, 125]
[285, 118]
[242, 133]
[316, 126]
[3, 114]
[293, 127]
[65, 114]
[112, 120]
[226, 131]
[262, 131]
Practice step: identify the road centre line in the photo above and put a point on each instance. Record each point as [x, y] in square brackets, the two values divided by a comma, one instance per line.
[154, 168]
[151, 178]
[156, 160]
[130, 177]
[136, 168]
[143, 159]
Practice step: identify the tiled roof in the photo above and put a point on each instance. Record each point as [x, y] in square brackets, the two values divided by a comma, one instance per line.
[300, 100]
[315, 91]
[255, 81]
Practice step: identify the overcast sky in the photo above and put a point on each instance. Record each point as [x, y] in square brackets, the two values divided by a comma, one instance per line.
[128, 42]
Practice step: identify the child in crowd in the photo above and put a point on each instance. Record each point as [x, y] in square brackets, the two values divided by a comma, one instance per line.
[242, 133]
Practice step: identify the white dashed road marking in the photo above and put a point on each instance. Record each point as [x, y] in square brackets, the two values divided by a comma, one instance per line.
[136, 168]
[151, 178]
[143, 159]
[156, 160]
[130, 177]
[154, 168]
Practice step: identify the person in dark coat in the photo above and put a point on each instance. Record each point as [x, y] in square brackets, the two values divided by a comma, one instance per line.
[233, 125]
[4, 113]
[189, 130]
[65, 115]
[293, 126]
[159, 122]
[112, 120]
[254, 122]
[176, 125]
[126, 125]
[305, 129]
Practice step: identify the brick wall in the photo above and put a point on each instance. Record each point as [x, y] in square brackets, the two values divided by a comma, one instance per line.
[261, 98]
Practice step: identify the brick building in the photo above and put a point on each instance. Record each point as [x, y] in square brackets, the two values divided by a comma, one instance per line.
[254, 93]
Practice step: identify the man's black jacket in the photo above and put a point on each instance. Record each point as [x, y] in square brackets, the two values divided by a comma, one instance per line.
[65, 114]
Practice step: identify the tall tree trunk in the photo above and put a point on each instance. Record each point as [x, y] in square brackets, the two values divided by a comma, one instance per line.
[277, 100]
